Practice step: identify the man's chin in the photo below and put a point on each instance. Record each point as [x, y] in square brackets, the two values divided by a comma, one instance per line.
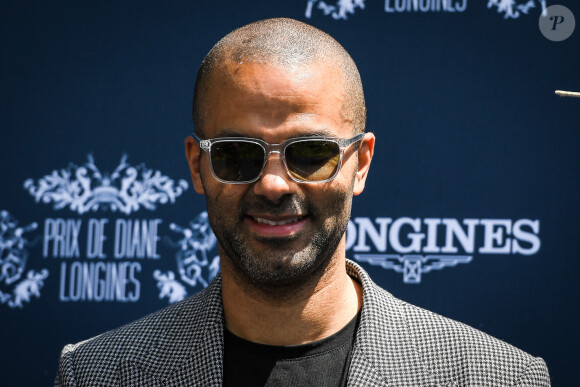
[283, 269]
[280, 279]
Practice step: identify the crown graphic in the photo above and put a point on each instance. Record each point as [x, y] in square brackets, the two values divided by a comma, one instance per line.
[85, 188]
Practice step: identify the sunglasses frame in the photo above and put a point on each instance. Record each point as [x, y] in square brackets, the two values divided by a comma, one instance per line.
[343, 144]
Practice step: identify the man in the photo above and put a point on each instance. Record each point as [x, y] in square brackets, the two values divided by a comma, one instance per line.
[279, 113]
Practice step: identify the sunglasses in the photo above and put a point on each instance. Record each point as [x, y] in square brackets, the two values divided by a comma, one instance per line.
[241, 160]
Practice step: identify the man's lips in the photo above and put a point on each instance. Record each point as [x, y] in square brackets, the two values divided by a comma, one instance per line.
[276, 226]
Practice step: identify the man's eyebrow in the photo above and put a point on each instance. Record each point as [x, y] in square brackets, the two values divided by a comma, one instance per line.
[306, 133]
[229, 133]
[316, 133]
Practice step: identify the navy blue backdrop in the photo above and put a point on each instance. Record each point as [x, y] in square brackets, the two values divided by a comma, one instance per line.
[470, 210]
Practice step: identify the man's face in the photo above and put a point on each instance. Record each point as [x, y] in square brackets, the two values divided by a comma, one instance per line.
[276, 231]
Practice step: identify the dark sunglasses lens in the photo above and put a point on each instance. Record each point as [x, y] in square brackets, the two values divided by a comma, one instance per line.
[312, 160]
[237, 161]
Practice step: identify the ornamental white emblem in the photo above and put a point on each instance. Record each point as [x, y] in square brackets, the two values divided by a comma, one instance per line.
[194, 264]
[85, 188]
[340, 10]
[13, 258]
[511, 10]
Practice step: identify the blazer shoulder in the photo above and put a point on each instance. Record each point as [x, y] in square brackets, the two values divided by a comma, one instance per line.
[173, 329]
[408, 345]
[454, 351]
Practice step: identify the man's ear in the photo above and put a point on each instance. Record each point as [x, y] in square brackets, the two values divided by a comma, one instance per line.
[193, 155]
[365, 156]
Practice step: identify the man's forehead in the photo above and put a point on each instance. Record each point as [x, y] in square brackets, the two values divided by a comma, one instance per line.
[241, 72]
[272, 102]
[275, 88]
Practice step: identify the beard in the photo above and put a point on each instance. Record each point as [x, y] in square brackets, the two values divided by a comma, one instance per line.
[289, 262]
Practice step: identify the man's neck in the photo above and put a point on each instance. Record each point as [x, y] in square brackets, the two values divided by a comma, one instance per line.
[310, 312]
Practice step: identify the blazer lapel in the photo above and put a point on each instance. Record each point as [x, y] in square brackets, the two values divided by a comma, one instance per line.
[204, 367]
[131, 374]
[189, 350]
[384, 349]
[362, 372]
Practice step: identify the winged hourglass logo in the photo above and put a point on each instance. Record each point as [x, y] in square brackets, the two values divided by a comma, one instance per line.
[412, 266]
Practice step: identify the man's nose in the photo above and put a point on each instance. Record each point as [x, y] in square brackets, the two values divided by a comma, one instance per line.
[274, 182]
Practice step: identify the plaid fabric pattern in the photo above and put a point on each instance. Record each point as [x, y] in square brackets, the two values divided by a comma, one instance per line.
[397, 344]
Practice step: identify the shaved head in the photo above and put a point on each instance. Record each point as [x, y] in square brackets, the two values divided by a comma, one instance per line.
[287, 43]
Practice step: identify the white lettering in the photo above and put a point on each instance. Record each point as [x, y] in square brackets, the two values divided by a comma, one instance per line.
[495, 241]
[416, 237]
[379, 238]
[136, 238]
[432, 224]
[350, 235]
[64, 236]
[449, 235]
[400, 6]
[525, 236]
[462, 7]
[62, 295]
[466, 239]
[96, 238]
[100, 281]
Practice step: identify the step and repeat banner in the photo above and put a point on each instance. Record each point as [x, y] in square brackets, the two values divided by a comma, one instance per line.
[470, 210]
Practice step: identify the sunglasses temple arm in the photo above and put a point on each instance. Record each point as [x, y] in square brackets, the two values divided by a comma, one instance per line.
[351, 141]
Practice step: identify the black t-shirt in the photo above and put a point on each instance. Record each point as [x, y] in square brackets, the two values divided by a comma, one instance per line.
[320, 363]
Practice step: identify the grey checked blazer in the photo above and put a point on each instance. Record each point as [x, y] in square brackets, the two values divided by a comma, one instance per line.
[397, 344]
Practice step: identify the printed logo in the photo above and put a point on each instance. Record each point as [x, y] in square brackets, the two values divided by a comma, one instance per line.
[101, 259]
[415, 246]
[193, 260]
[511, 10]
[412, 266]
[106, 259]
[557, 23]
[13, 259]
[85, 188]
[343, 8]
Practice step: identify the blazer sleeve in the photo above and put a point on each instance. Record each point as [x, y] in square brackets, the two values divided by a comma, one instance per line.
[65, 376]
[536, 375]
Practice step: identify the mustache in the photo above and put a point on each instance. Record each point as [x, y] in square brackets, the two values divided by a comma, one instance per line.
[287, 204]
